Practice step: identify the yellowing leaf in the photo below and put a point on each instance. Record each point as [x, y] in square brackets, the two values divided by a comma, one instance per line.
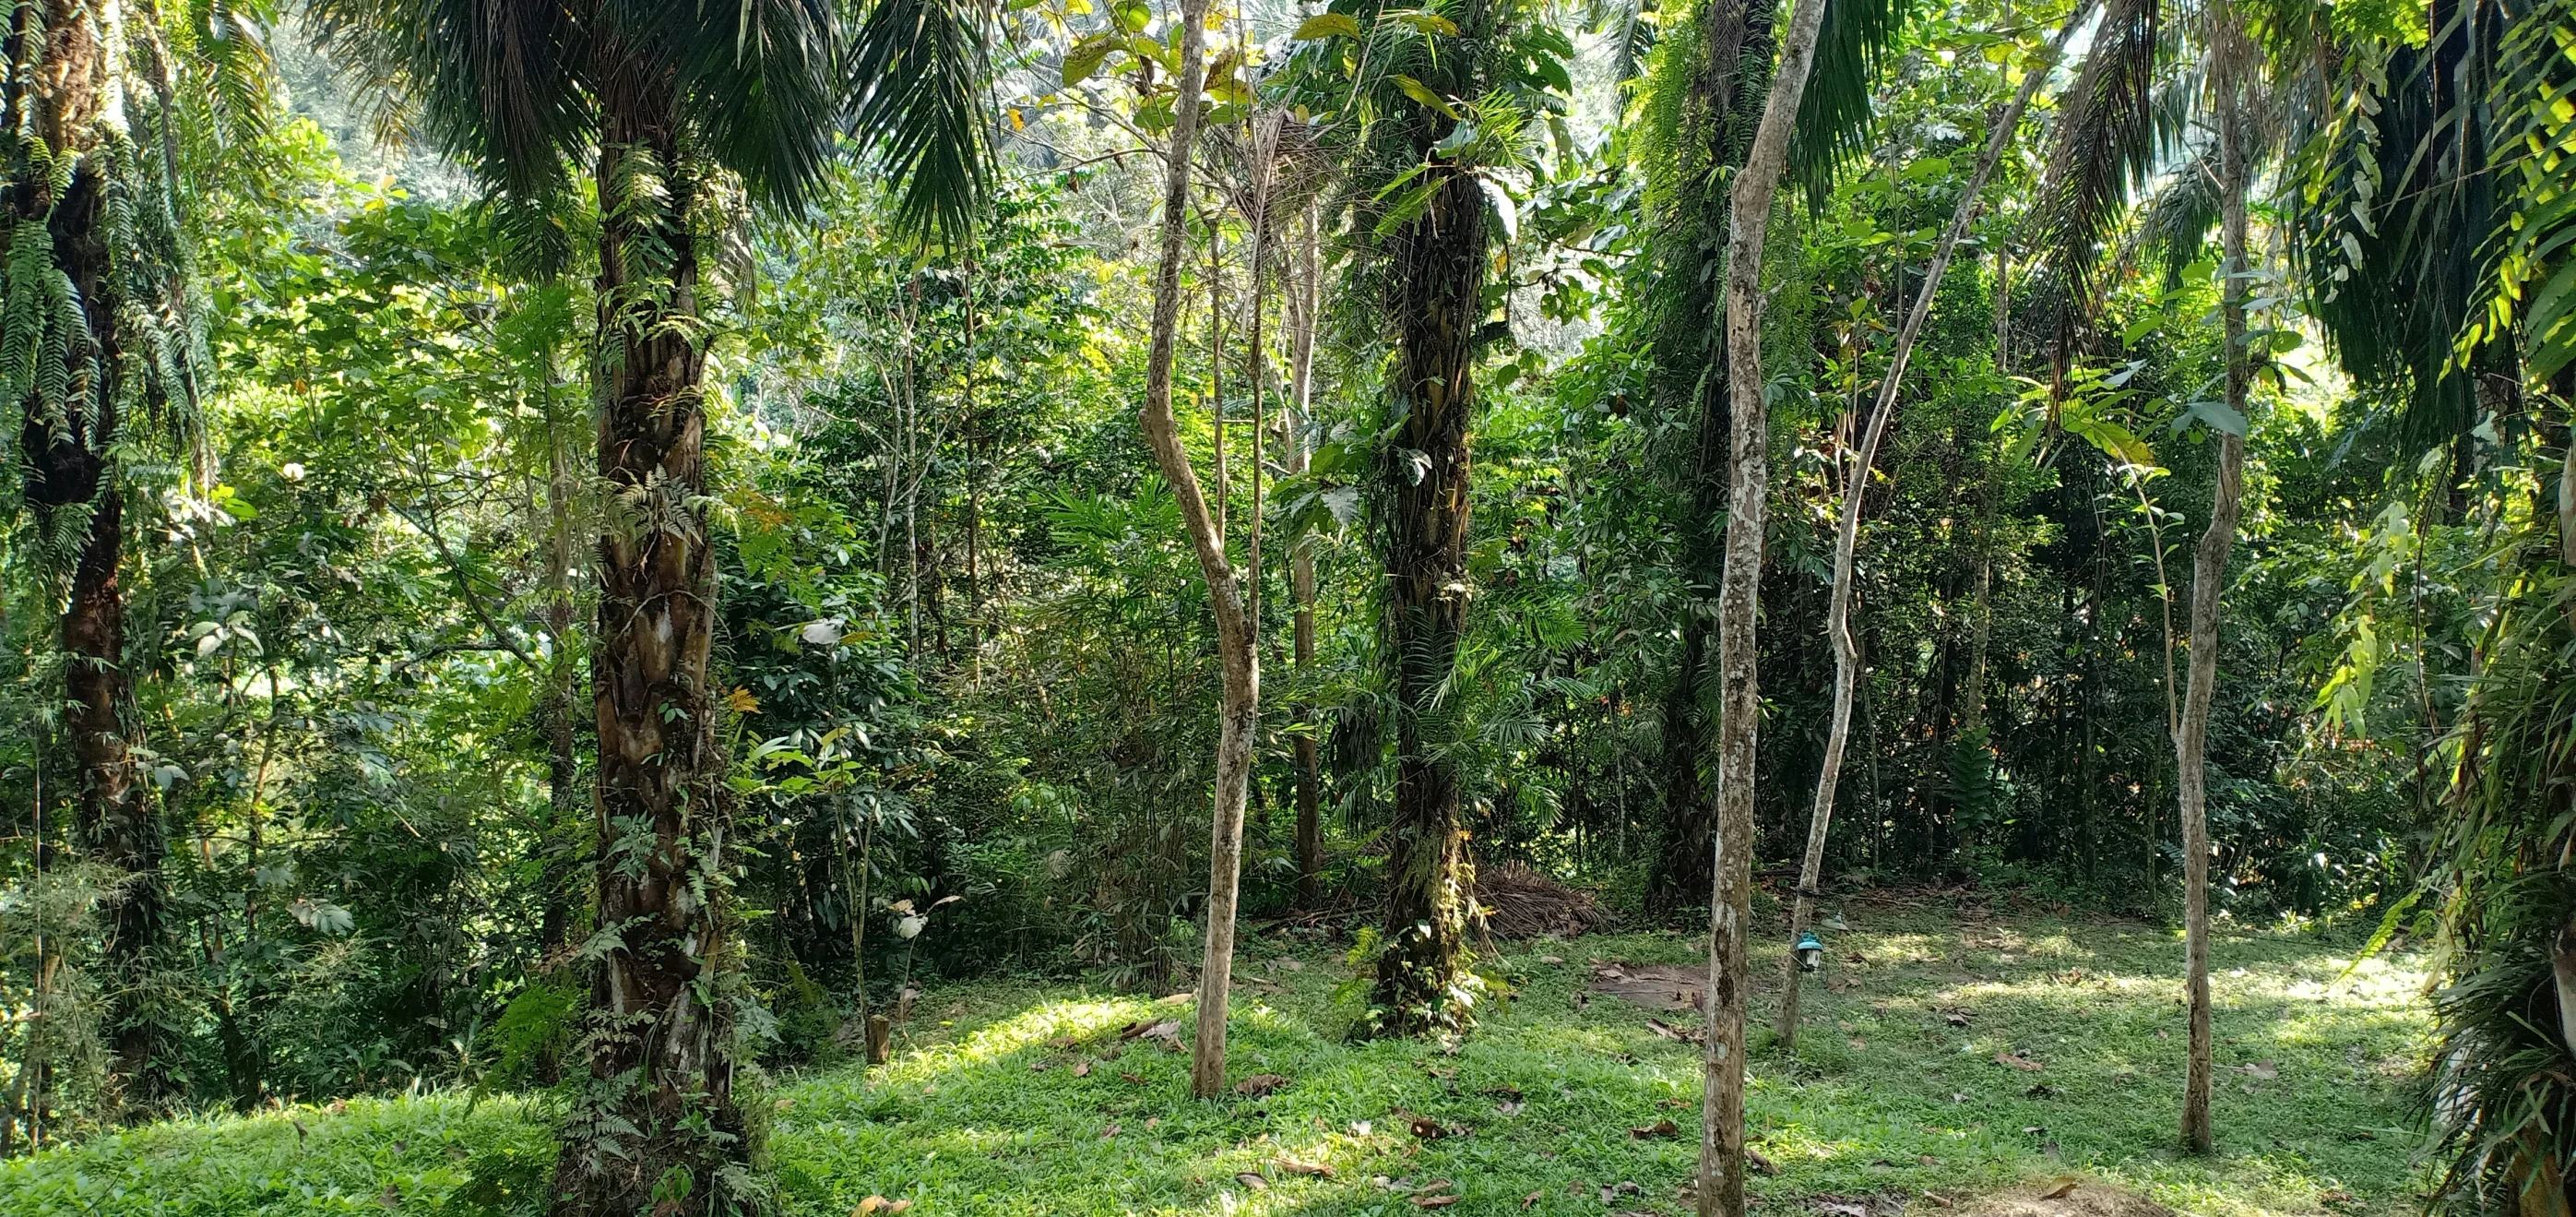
[1327, 25]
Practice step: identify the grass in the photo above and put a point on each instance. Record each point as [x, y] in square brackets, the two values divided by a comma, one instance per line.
[986, 1112]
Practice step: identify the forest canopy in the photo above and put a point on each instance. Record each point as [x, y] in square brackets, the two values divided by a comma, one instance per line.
[605, 553]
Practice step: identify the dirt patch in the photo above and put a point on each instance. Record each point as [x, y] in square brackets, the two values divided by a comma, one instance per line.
[2085, 1199]
[1522, 903]
[1656, 986]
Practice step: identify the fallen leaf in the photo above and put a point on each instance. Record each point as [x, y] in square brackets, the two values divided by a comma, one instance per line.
[1842, 1208]
[1658, 1129]
[1039, 1065]
[1137, 1079]
[869, 1206]
[1428, 1129]
[1294, 1167]
[2018, 1061]
[1957, 1096]
[1082, 1069]
[1434, 1202]
[1677, 1103]
[1943, 1201]
[2266, 1070]
[1956, 1018]
[897, 1207]
[1359, 1128]
[1153, 1122]
[1260, 1084]
[1508, 1109]
[2064, 1188]
[1290, 964]
[1062, 1042]
[2041, 1091]
[391, 1197]
[1252, 1180]
[1531, 1199]
[1858, 1043]
[1110, 1131]
[1927, 1159]
[1551, 959]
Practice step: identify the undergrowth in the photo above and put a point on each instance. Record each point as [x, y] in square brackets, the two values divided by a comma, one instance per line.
[1014, 1098]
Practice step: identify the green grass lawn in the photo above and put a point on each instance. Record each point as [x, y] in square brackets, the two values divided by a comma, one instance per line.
[990, 1108]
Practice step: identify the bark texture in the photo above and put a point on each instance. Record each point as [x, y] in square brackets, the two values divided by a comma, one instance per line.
[1847, 534]
[1303, 307]
[1436, 304]
[1722, 111]
[2208, 580]
[1721, 1164]
[72, 104]
[1238, 712]
[655, 1127]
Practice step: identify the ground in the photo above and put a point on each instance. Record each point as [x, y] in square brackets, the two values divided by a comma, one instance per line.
[1022, 1098]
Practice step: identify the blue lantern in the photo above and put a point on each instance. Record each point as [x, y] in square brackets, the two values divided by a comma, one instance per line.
[1811, 952]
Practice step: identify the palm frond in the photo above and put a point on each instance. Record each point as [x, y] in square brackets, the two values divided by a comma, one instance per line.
[497, 83]
[2104, 149]
[2178, 217]
[917, 70]
[767, 72]
[1834, 112]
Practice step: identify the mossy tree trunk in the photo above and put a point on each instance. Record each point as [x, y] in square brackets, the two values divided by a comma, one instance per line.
[655, 1127]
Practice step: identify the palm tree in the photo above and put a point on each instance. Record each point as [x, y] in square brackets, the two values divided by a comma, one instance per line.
[99, 348]
[647, 99]
[1425, 113]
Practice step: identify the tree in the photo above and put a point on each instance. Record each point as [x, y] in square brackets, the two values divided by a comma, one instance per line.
[647, 98]
[1855, 487]
[1721, 1155]
[1239, 713]
[102, 354]
[1429, 118]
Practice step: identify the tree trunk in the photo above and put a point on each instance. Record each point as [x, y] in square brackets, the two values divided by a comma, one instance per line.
[1720, 111]
[2208, 579]
[655, 1126]
[1301, 560]
[1436, 303]
[1721, 1162]
[1238, 712]
[563, 767]
[1847, 536]
[67, 440]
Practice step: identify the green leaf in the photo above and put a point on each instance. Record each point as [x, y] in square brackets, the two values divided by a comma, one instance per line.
[2215, 413]
[1421, 92]
[1327, 25]
[1086, 56]
[1427, 22]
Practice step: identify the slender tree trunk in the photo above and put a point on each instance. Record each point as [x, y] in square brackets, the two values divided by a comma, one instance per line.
[68, 438]
[2209, 575]
[1847, 535]
[655, 1127]
[1301, 559]
[1722, 107]
[563, 766]
[1238, 713]
[1721, 1164]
